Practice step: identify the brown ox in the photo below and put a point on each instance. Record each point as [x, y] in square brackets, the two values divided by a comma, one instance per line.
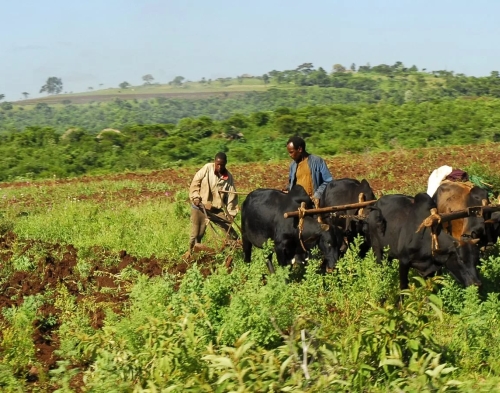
[453, 196]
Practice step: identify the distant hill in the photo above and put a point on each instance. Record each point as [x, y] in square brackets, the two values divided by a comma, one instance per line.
[231, 87]
[188, 90]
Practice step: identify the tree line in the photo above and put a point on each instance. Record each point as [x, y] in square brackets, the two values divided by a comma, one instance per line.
[364, 77]
[43, 152]
[349, 90]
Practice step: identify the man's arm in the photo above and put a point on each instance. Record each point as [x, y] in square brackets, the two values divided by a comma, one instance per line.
[195, 187]
[291, 175]
[326, 177]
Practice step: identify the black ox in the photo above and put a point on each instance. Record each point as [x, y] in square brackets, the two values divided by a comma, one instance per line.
[344, 192]
[262, 219]
[394, 220]
[494, 228]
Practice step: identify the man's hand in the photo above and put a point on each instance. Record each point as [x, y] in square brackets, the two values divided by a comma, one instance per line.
[316, 202]
[196, 201]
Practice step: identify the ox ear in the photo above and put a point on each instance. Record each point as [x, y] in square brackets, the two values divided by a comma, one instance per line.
[325, 227]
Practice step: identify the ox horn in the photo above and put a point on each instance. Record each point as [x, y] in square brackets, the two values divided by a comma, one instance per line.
[475, 241]
[325, 227]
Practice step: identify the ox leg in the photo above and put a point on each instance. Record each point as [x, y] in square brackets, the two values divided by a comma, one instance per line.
[404, 270]
[377, 250]
[247, 250]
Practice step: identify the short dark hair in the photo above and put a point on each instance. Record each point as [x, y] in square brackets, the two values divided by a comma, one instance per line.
[297, 142]
[222, 156]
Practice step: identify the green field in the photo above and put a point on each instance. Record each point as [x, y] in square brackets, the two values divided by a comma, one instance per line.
[96, 296]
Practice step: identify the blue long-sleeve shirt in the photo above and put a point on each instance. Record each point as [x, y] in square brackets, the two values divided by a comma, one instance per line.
[320, 174]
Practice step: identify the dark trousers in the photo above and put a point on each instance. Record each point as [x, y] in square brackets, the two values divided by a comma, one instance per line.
[199, 224]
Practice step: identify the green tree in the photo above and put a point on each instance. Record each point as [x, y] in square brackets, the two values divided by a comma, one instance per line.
[398, 66]
[25, 94]
[338, 68]
[365, 68]
[177, 81]
[305, 68]
[265, 78]
[6, 106]
[124, 85]
[320, 77]
[353, 67]
[52, 86]
[2, 96]
[148, 78]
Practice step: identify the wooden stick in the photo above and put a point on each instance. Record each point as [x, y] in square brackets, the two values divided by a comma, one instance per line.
[234, 192]
[330, 209]
[474, 211]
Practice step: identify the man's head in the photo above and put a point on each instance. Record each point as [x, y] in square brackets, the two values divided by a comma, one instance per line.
[296, 147]
[220, 163]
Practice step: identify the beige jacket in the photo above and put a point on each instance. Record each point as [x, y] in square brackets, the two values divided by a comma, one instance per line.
[205, 185]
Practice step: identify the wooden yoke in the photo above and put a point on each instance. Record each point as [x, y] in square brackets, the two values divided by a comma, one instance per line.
[310, 212]
[435, 219]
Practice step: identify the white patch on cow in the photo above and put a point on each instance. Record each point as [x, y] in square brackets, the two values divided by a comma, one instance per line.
[436, 177]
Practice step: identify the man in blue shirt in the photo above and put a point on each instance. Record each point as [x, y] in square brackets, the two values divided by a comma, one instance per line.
[306, 169]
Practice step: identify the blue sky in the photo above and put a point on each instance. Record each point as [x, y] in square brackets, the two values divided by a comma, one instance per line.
[110, 41]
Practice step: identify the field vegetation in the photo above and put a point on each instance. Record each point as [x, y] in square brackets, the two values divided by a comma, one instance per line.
[95, 295]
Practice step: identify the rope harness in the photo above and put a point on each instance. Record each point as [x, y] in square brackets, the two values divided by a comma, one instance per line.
[302, 210]
[432, 222]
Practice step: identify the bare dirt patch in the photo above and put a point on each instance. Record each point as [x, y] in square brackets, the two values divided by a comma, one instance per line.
[103, 287]
[399, 170]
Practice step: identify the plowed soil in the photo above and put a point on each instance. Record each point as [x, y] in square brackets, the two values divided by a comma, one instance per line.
[398, 170]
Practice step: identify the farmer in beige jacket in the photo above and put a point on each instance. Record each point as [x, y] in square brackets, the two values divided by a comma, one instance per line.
[207, 202]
